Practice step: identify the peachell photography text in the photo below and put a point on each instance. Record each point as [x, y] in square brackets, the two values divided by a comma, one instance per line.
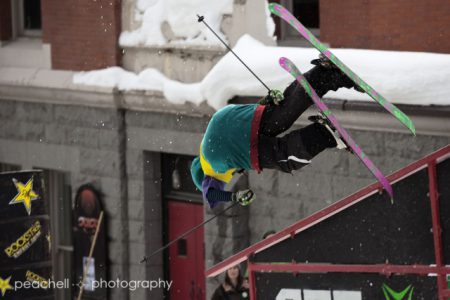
[132, 285]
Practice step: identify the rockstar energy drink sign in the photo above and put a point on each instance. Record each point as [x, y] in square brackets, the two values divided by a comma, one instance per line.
[25, 244]
[25, 241]
[33, 277]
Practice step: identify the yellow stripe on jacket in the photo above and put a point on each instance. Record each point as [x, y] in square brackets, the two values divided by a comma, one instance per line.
[208, 170]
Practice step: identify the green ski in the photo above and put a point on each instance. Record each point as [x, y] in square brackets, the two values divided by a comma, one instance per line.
[283, 13]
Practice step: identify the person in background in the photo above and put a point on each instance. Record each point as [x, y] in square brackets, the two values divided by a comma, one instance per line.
[233, 288]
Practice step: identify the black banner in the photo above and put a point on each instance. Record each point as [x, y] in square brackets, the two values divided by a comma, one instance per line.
[348, 286]
[25, 258]
[373, 231]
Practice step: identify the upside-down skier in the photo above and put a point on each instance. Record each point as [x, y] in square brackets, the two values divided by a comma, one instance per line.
[245, 136]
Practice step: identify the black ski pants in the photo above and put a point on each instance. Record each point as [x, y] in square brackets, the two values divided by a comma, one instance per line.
[295, 149]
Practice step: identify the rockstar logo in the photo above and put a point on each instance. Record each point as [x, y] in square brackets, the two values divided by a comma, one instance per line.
[4, 285]
[25, 194]
[388, 293]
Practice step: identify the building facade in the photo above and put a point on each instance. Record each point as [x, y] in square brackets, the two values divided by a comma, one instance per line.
[136, 147]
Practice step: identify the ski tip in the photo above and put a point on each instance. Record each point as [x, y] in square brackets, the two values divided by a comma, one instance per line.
[409, 124]
[390, 192]
[275, 8]
[386, 186]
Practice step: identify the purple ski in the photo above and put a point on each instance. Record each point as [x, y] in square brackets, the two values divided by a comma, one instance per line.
[283, 13]
[295, 72]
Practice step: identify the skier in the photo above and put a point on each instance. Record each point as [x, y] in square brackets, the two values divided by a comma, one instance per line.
[244, 137]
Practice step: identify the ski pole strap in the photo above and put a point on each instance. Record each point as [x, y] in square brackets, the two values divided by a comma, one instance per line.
[145, 259]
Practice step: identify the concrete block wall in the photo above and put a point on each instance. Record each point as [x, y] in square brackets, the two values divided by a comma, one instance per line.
[192, 63]
[120, 151]
[149, 135]
[83, 141]
[225, 236]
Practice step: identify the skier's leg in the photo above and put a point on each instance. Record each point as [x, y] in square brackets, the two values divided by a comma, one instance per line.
[278, 118]
[295, 149]
[323, 78]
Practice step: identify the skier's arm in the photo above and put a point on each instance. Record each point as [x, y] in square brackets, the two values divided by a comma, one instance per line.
[219, 196]
[213, 193]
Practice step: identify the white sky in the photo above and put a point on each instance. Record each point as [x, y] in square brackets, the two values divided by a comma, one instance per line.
[401, 77]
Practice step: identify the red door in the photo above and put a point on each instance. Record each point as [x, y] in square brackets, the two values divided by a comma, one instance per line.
[186, 256]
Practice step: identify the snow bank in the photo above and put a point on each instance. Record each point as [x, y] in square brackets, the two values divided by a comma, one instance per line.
[181, 15]
[401, 77]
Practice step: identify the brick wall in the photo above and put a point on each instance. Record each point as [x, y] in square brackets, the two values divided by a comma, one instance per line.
[406, 25]
[83, 34]
[5, 20]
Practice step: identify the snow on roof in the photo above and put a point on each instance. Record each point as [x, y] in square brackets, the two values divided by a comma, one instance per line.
[181, 16]
[401, 77]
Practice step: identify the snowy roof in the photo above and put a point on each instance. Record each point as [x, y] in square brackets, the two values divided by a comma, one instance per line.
[401, 77]
[180, 15]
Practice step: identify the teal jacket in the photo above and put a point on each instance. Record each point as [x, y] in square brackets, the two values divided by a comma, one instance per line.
[226, 143]
[230, 142]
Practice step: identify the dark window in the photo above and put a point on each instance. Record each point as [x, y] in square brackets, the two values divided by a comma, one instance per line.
[182, 247]
[307, 12]
[32, 15]
[176, 171]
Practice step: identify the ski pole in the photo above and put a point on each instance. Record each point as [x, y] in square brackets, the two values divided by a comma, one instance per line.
[145, 259]
[202, 19]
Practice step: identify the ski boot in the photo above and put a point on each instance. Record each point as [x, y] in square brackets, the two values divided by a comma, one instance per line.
[326, 76]
[340, 143]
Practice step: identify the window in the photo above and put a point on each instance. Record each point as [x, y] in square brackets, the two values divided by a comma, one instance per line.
[32, 15]
[58, 189]
[307, 12]
[177, 180]
[22, 45]
[27, 20]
